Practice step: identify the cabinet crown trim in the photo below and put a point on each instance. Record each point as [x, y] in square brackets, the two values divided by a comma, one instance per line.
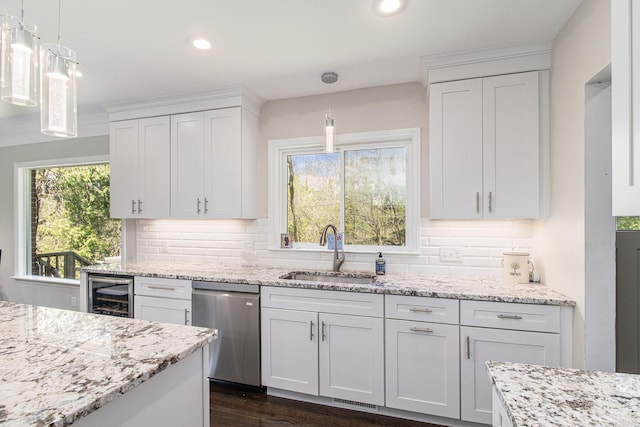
[467, 64]
[223, 97]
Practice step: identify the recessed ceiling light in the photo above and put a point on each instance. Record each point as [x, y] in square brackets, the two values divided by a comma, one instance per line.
[199, 42]
[388, 7]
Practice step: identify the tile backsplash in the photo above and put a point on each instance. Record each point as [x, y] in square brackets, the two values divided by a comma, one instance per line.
[244, 242]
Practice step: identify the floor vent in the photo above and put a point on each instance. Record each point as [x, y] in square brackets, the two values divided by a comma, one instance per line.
[350, 404]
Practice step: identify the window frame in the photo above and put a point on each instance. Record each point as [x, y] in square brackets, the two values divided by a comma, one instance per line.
[22, 210]
[279, 149]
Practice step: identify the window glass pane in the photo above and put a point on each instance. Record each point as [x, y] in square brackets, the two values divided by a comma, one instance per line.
[375, 197]
[627, 223]
[70, 224]
[313, 194]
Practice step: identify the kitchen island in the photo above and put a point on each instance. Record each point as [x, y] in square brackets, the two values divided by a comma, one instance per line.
[526, 395]
[60, 367]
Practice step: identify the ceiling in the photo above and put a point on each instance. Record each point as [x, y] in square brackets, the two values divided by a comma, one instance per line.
[130, 50]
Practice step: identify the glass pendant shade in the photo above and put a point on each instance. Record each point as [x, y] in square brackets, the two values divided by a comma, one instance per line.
[20, 62]
[58, 103]
[3, 23]
[329, 133]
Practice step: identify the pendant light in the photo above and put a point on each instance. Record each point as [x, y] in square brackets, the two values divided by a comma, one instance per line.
[329, 119]
[58, 103]
[20, 61]
[3, 23]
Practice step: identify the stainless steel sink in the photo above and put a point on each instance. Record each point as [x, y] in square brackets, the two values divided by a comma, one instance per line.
[314, 276]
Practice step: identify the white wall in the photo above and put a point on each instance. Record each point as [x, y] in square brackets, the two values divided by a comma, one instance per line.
[580, 51]
[245, 242]
[372, 109]
[58, 296]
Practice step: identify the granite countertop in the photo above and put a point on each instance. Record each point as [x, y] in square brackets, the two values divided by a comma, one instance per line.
[437, 286]
[57, 366]
[538, 395]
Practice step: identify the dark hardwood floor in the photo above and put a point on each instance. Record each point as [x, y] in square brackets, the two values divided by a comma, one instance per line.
[233, 407]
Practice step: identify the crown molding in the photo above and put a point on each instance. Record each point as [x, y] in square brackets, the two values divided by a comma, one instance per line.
[228, 96]
[466, 64]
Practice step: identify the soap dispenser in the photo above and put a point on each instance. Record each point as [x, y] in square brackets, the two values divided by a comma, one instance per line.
[381, 265]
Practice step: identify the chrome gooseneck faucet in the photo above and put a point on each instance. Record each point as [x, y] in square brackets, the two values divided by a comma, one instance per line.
[337, 261]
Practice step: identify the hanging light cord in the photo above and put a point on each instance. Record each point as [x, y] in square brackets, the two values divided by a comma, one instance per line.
[59, 9]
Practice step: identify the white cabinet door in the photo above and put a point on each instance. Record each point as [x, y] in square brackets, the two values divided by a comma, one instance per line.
[352, 358]
[484, 142]
[290, 350]
[625, 98]
[154, 167]
[223, 163]
[165, 310]
[422, 367]
[455, 143]
[123, 164]
[511, 140]
[478, 345]
[139, 168]
[187, 165]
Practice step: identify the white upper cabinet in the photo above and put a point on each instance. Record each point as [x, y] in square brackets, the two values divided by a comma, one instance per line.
[213, 164]
[139, 165]
[485, 147]
[625, 99]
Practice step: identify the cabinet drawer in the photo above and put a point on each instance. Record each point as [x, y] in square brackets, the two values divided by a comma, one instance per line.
[522, 317]
[354, 303]
[166, 288]
[438, 310]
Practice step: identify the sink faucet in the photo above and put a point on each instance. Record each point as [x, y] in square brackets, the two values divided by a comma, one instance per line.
[337, 261]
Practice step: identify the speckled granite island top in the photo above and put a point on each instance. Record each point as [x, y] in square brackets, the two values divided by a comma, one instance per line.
[543, 396]
[437, 286]
[57, 366]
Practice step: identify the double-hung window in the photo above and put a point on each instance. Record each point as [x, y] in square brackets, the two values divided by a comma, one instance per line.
[368, 188]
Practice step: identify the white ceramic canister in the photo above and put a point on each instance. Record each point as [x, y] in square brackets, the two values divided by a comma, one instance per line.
[516, 267]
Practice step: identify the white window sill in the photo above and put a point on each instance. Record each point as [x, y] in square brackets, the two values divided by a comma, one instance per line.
[47, 280]
[386, 251]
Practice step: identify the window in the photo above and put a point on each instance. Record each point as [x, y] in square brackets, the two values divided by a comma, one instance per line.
[368, 188]
[64, 212]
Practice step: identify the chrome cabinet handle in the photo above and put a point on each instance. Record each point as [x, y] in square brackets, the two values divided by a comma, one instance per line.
[509, 316]
[186, 316]
[490, 201]
[324, 331]
[206, 202]
[478, 202]
[199, 210]
[133, 206]
[162, 287]
[420, 310]
[428, 330]
[139, 204]
[311, 331]
[468, 346]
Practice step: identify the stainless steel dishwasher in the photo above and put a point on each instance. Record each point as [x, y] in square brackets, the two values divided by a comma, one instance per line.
[234, 310]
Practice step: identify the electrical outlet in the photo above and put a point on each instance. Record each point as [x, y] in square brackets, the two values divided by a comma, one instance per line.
[451, 254]
[73, 301]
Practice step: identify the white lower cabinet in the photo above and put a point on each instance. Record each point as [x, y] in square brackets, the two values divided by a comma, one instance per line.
[481, 344]
[403, 353]
[329, 353]
[162, 300]
[351, 358]
[290, 350]
[422, 367]
[162, 309]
